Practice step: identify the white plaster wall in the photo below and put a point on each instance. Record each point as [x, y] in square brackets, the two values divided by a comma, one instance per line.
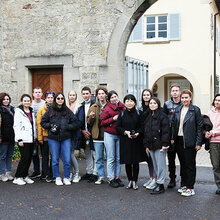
[191, 57]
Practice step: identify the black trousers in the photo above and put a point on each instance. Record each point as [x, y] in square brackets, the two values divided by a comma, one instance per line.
[187, 158]
[132, 171]
[171, 155]
[46, 161]
[24, 164]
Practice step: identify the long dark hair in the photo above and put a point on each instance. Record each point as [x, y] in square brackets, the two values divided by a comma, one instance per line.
[2, 96]
[54, 108]
[142, 100]
[213, 102]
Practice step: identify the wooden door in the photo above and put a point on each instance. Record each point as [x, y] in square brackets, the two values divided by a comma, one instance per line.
[48, 79]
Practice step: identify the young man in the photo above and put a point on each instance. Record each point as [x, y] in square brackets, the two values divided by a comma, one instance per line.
[87, 143]
[42, 135]
[36, 104]
[97, 131]
[169, 108]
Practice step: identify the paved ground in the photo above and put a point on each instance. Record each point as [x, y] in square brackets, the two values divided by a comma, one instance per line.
[89, 201]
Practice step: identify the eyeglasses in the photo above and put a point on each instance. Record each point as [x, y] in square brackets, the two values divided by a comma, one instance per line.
[58, 98]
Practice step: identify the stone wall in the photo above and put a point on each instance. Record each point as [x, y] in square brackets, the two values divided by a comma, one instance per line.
[93, 32]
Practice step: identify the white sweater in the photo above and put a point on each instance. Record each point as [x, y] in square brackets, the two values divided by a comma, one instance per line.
[23, 128]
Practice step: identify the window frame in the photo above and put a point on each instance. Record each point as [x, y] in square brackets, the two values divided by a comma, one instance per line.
[157, 38]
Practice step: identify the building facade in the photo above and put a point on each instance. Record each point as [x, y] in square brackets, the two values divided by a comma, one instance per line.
[65, 44]
[176, 37]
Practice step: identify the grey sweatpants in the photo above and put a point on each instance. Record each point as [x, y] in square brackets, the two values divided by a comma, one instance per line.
[159, 162]
[215, 159]
[90, 161]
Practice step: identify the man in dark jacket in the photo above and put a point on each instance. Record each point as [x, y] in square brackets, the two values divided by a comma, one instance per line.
[87, 143]
[169, 109]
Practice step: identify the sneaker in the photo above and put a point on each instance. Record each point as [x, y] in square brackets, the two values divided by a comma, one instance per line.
[188, 192]
[35, 175]
[66, 181]
[120, 183]
[8, 174]
[182, 189]
[50, 179]
[19, 181]
[58, 181]
[28, 180]
[148, 182]
[43, 177]
[172, 183]
[152, 185]
[218, 191]
[76, 178]
[3, 178]
[99, 181]
[86, 176]
[113, 183]
[71, 176]
[92, 178]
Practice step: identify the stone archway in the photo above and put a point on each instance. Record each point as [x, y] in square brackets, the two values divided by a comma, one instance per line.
[114, 75]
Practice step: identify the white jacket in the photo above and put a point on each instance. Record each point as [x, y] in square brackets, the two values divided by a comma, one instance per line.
[23, 128]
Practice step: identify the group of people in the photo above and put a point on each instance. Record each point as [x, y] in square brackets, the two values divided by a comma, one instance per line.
[126, 133]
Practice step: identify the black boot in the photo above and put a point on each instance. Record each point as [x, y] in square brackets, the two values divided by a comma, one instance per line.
[172, 183]
[158, 189]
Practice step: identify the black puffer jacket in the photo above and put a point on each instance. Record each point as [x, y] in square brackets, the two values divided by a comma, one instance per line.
[192, 126]
[66, 123]
[6, 127]
[156, 130]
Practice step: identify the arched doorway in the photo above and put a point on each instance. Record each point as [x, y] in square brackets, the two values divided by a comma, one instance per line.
[161, 87]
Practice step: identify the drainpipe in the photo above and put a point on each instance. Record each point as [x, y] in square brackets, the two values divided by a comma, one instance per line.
[215, 15]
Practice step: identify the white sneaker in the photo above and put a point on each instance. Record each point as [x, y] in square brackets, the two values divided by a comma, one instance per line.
[99, 181]
[76, 178]
[152, 185]
[71, 176]
[182, 189]
[188, 192]
[10, 177]
[28, 180]
[3, 178]
[66, 181]
[19, 181]
[148, 182]
[58, 181]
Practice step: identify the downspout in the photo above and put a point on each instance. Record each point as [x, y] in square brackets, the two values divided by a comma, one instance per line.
[215, 15]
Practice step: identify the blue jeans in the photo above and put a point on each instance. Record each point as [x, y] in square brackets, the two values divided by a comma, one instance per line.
[112, 146]
[6, 152]
[99, 156]
[63, 147]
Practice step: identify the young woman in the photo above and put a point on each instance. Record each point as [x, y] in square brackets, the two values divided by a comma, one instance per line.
[188, 140]
[129, 127]
[156, 141]
[214, 137]
[6, 136]
[146, 96]
[111, 139]
[60, 122]
[25, 135]
[97, 131]
[73, 105]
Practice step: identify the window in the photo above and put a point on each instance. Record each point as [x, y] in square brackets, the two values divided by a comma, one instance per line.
[156, 28]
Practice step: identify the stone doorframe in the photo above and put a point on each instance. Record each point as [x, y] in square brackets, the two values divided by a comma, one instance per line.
[22, 74]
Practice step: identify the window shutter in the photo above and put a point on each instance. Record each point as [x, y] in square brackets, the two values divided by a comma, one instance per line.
[137, 33]
[217, 42]
[174, 26]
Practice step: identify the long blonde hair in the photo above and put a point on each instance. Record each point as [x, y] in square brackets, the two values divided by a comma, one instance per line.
[76, 103]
